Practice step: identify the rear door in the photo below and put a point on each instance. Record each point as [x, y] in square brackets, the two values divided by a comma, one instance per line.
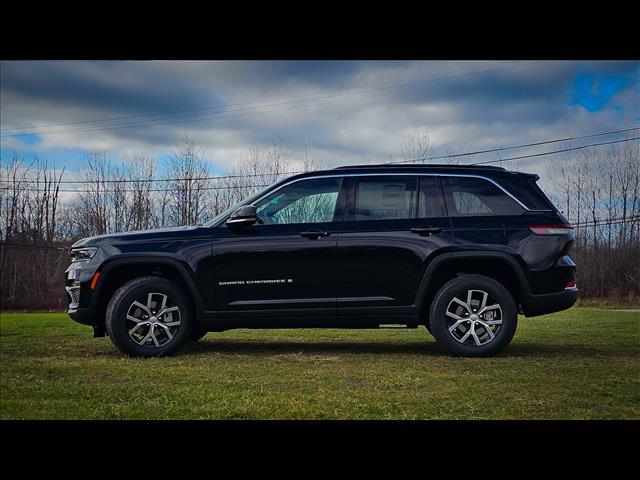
[393, 226]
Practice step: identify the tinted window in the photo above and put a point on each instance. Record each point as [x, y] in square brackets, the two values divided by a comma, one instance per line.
[385, 198]
[467, 196]
[430, 203]
[306, 201]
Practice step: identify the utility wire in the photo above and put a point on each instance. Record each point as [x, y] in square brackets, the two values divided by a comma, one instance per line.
[546, 142]
[100, 190]
[256, 101]
[556, 151]
[285, 102]
[287, 173]
[477, 152]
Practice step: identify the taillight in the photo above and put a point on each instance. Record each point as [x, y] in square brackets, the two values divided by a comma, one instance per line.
[551, 229]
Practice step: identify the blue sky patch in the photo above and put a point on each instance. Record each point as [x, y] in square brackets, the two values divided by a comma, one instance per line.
[28, 138]
[593, 94]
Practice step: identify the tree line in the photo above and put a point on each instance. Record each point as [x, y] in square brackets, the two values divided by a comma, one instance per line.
[40, 215]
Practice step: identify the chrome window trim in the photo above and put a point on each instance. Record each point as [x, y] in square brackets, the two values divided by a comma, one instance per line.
[403, 174]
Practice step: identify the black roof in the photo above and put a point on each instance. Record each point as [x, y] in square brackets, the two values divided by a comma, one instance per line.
[487, 170]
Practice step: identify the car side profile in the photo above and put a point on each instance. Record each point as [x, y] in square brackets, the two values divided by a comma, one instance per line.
[461, 250]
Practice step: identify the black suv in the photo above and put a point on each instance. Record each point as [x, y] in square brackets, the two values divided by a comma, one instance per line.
[459, 249]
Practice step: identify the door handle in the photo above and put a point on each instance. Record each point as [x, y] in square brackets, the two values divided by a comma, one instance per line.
[425, 231]
[315, 234]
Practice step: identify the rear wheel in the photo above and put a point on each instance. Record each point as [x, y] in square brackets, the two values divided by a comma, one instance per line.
[473, 315]
[148, 317]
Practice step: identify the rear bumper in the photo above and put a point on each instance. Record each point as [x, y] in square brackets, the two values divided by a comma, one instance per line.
[550, 302]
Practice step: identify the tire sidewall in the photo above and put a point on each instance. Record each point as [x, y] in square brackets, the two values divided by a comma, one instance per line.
[438, 323]
[117, 322]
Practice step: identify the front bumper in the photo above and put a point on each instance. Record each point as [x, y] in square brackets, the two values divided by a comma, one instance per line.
[77, 285]
[81, 315]
[550, 302]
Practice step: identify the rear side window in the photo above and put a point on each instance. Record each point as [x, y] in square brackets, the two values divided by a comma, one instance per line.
[387, 198]
[468, 196]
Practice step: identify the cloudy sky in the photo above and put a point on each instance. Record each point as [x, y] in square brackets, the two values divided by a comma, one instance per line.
[348, 111]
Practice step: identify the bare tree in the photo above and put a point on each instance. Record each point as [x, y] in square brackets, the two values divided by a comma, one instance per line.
[415, 148]
[187, 203]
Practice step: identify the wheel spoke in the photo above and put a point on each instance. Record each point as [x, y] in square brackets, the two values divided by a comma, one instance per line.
[460, 302]
[493, 322]
[454, 316]
[475, 335]
[167, 330]
[490, 307]
[141, 306]
[465, 336]
[146, 337]
[487, 328]
[153, 336]
[134, 319]
[485, 295]
[170, 324]
[164, 303]
[456, 325]
[469, 295]
[132, 331]
[150, 303]
[168, 310]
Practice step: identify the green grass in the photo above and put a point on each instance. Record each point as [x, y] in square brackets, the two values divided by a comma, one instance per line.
[582, 363]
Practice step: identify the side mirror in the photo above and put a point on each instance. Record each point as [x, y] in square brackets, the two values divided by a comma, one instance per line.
[243, 217]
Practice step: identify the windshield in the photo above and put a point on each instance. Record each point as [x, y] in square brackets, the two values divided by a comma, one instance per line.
[215, 220]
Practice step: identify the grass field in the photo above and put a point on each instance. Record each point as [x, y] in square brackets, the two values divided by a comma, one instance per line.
[578, 364]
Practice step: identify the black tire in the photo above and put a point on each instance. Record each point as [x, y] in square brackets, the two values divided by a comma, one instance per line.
[500, 335]
[118, 326]
[197, 333]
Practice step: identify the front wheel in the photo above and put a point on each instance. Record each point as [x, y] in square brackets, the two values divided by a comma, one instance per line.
[473, 316]
[148, 317]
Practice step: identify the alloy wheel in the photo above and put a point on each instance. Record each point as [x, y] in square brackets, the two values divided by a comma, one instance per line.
[153, 321]
[473, 317]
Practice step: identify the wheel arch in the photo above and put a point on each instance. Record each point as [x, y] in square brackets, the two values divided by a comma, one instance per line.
[500, 266]
[116, 272]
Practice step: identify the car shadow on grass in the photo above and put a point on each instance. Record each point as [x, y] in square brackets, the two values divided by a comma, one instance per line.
[427, 349]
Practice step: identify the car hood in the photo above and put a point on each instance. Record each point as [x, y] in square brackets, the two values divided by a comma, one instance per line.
[142, 235]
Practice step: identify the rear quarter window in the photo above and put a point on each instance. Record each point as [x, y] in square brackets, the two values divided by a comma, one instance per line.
[470, 196]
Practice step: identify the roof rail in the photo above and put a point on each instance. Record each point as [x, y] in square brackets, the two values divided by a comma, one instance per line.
[421, 165]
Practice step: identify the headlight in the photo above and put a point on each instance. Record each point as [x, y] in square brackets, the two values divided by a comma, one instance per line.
[82, 254]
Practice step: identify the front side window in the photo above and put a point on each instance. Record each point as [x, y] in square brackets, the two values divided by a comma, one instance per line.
[306, 201]
[468, 196]
[385, 198]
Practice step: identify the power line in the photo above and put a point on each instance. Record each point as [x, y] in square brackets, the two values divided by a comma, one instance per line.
[256, 101]
[546, 142]
[291, 105]
[477, 152]
[605, 222]
[290, 173]
[556, 151]
[179, 179]
[99, 190]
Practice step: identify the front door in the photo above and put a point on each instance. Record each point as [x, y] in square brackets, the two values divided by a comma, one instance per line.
[286, 262]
